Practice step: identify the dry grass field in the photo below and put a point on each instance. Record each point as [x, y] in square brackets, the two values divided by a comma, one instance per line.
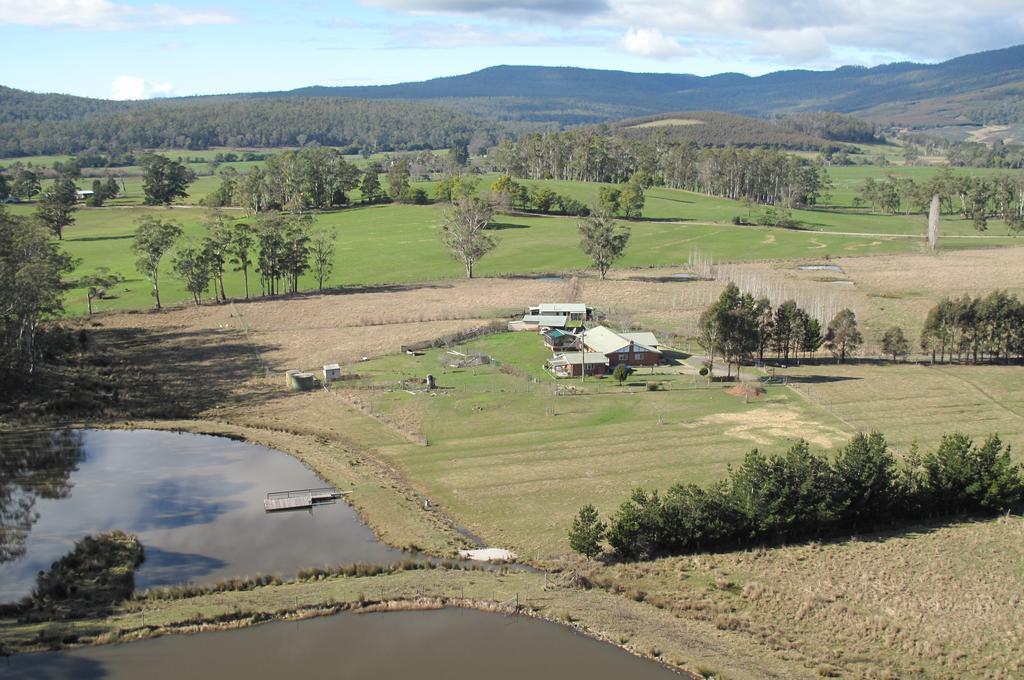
[935, 601]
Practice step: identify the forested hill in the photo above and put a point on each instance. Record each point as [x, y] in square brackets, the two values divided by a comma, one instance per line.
[958, 90]
[32, 124]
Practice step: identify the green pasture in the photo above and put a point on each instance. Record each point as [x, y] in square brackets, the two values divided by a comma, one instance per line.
[514, 461]
[401, 243]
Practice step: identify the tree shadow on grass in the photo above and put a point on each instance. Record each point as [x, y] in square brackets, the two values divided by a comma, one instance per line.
[499, 226]
[164, 373]
[86, 239]
[820, 379]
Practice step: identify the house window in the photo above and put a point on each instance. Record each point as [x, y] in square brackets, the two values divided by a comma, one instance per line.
[624, 356]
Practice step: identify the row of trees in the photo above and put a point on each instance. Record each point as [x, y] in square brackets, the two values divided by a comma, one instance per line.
[738, 327]
[761, 175]
[974, 198]
[988, 328]
[281, 247]
[512, 195]
[313, 178]
[800, 495]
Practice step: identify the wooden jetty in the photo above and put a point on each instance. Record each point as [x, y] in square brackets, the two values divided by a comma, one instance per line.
[300, 499]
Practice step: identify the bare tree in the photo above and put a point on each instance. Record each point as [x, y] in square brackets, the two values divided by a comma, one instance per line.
[464, 230]
[933, 222]
[321, 247]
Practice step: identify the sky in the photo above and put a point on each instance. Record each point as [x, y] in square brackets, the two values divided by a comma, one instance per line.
[124, 49]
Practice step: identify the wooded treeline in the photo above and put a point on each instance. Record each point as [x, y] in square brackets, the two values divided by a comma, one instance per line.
[353, 125]
[975, 329]
[801, 495]
[974, 198]
[762, 175]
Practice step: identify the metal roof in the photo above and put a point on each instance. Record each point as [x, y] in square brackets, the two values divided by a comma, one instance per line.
[332, 367]
[579, 358]
[645, 338]
[561, 307]
[545, 320]
[607, 341]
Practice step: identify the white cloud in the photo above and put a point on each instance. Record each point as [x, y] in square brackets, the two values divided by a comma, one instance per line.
[802, 32]
[105, 15]
[134, 87]
[573, 8]
[652, 43]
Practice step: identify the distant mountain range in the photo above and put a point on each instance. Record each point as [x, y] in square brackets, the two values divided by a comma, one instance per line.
[982, 88]
[971, 89]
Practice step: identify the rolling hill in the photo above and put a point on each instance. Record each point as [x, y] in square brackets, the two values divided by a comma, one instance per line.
[982, 88]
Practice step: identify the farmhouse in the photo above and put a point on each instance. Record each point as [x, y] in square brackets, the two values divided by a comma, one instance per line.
[632, 349]
[603, 349]
[83, 194]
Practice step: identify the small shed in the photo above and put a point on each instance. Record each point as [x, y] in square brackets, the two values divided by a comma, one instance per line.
[332, 372]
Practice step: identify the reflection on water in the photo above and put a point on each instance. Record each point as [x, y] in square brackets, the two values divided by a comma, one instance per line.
[450, 643]
[33, 465]
[195, 501]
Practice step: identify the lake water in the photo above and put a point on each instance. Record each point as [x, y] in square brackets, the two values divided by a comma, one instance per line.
[452, 644]
[196, 503]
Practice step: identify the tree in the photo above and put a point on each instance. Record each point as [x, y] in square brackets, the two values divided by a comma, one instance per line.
[843, 336]
[239, 250]
[153, 238]
[587, 532]
[25, 184]
[454, 187]
[398, 179]
[193, 266]
[865, 480]
[57, 206]
[111, 188]
[730, 326]
[164, 180]
[99, 194]
[631, 197]
[895, 343]
[370, 186]
[322, 250]
[5, 188]
[602, 241]
[217, 246]
[32, 268]
[96, 285]
[608, 200]
[620, 373]
[458, 154]
[464, 230]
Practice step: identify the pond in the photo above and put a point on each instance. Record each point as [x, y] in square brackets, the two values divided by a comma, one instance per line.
[822, 268]
[195, 501]
[451, 643]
